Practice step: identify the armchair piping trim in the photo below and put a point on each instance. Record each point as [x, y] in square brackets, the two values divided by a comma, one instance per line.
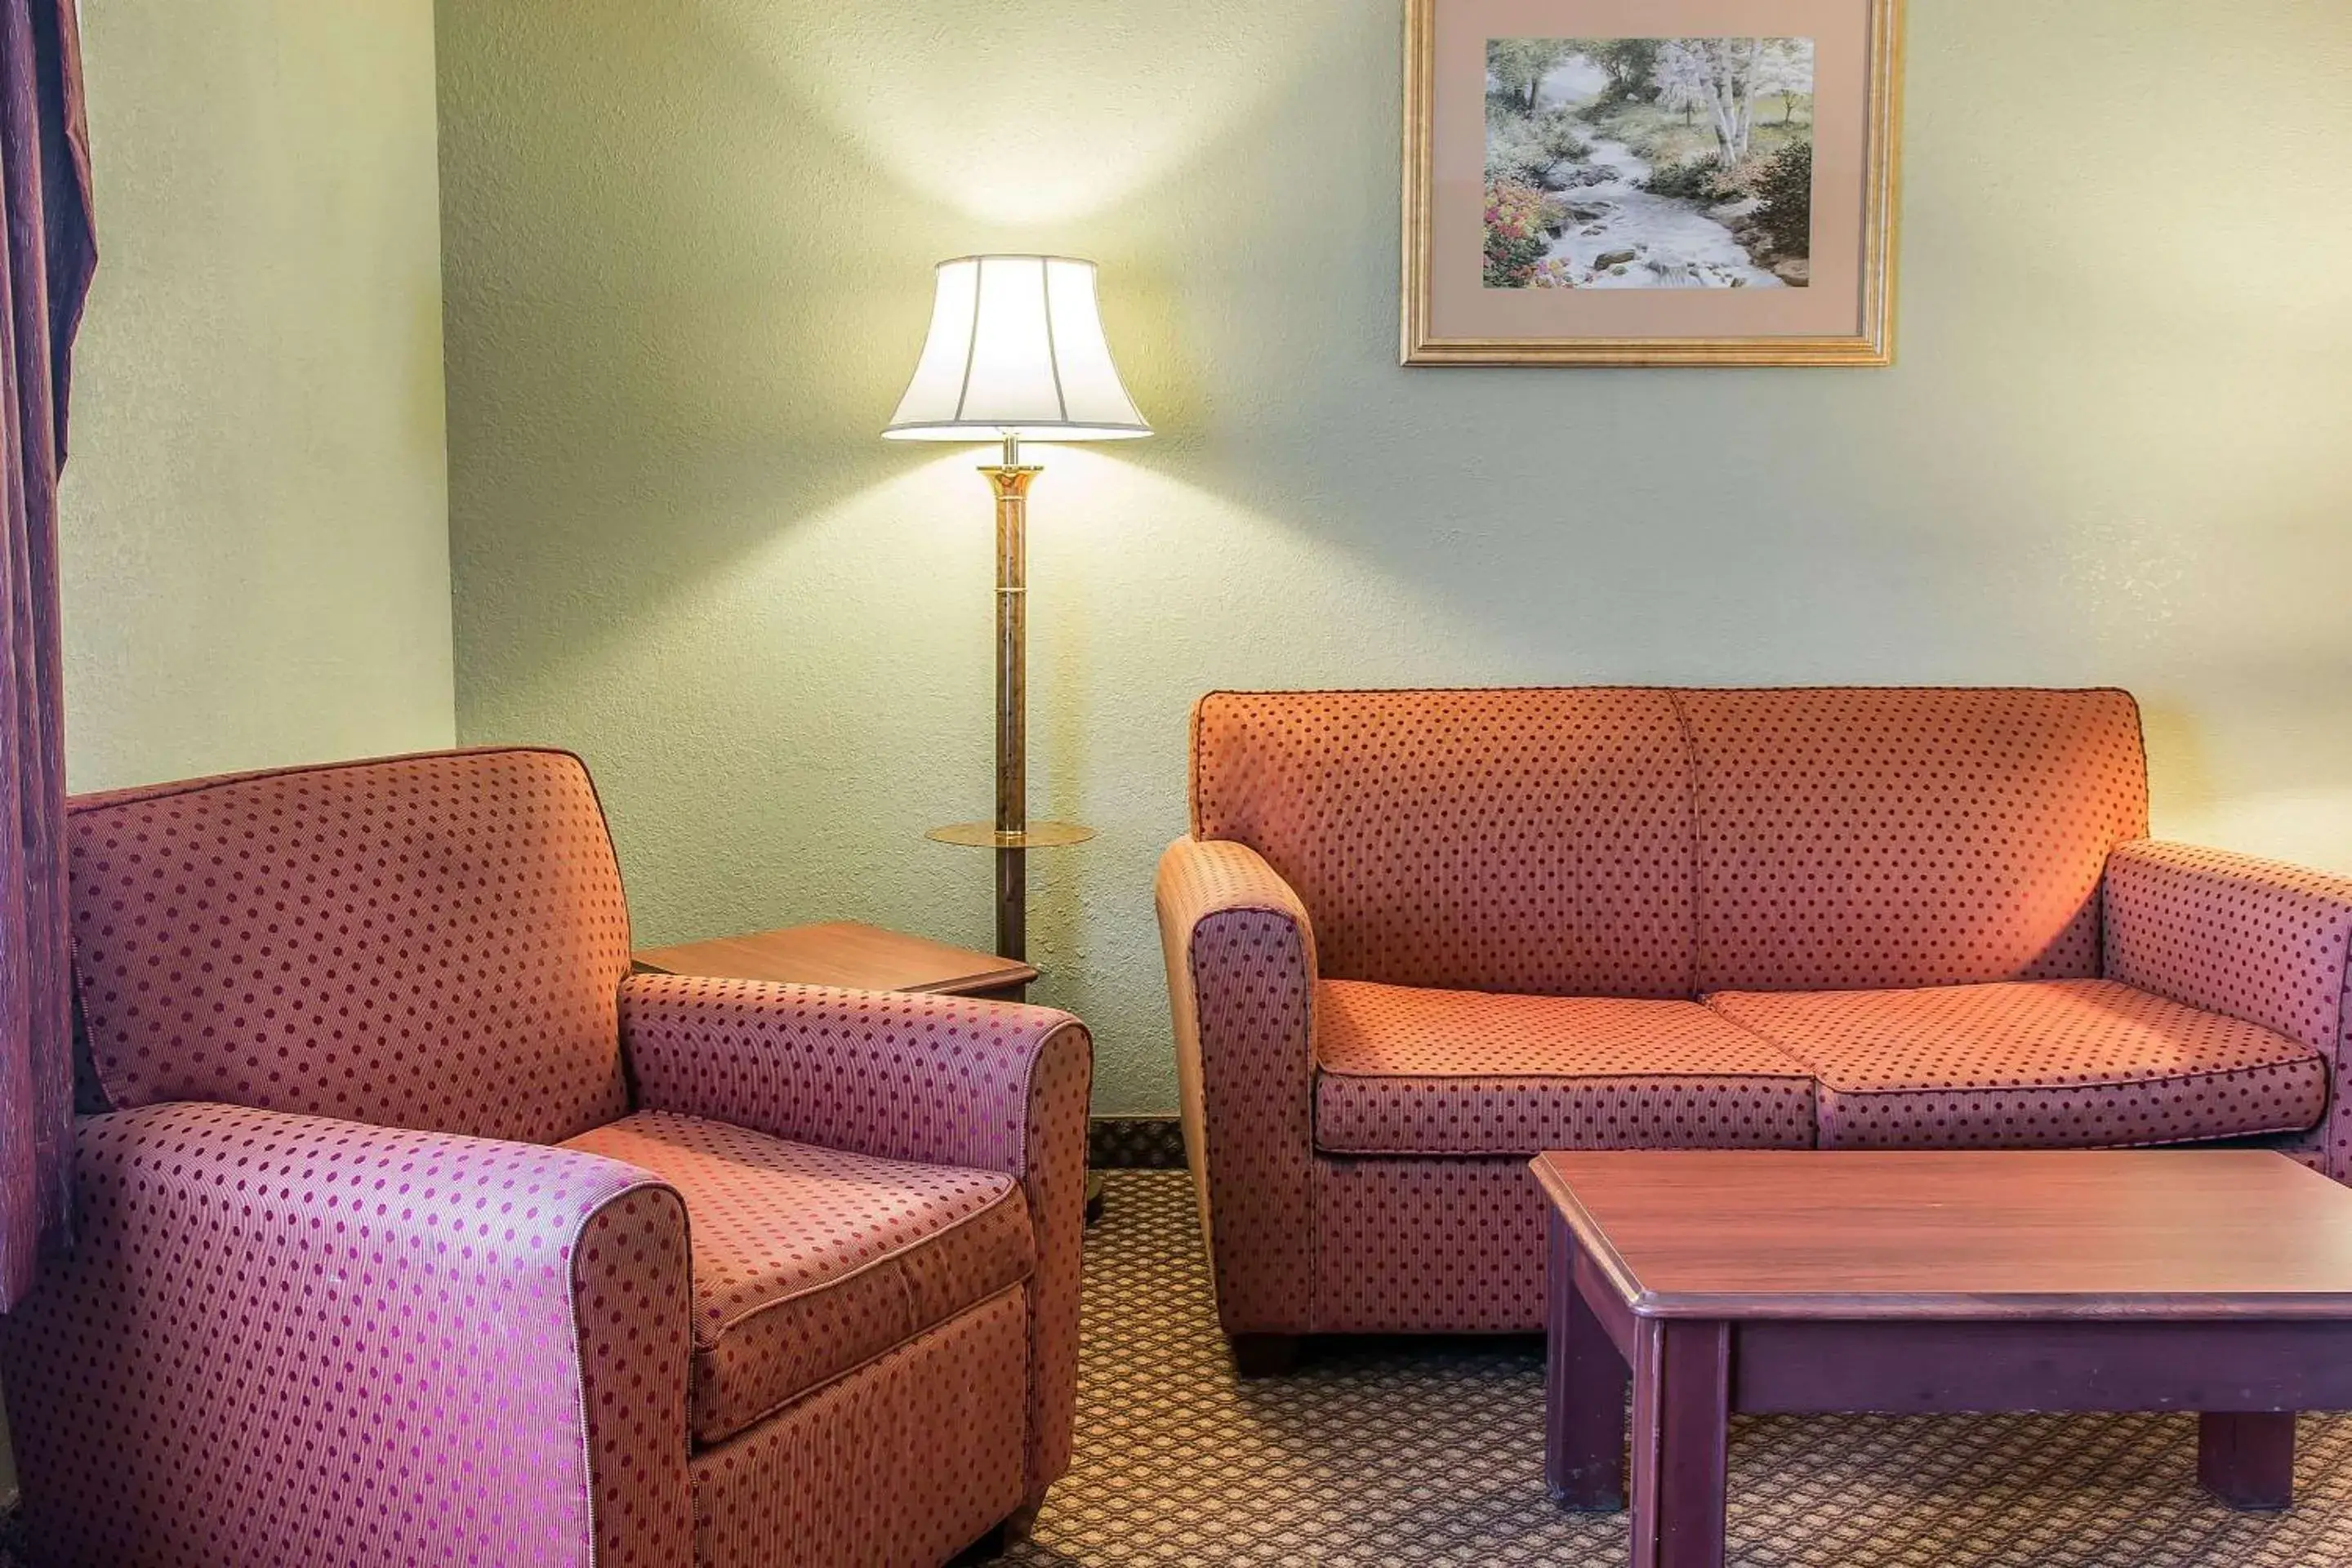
[139, 795]
[579, 1367]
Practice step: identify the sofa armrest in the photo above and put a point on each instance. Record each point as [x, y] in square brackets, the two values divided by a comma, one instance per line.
[943, 1080]
[1240, 952]
[2258, 940]
[2255, 939]
[285, 1338]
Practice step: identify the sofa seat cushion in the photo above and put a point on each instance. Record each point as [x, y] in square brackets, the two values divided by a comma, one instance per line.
[810, 1262]
[1410, 1071]
[2042, 1064]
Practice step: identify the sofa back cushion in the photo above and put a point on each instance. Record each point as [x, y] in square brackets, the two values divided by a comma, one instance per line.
[1868, 838]
[433, 942]
[1535, 841]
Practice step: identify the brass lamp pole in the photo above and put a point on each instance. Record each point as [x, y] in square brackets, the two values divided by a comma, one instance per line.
[1016, 348]
[1012, 835]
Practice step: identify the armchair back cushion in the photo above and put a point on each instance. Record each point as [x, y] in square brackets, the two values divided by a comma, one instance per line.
[1534, 841]
[1667, 843]
[433, 942]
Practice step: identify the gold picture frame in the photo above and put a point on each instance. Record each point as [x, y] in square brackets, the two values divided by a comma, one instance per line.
[1454, 314]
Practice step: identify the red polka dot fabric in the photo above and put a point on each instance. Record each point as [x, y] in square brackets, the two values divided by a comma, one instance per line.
[2257, 940]
[633, 1300]
[1427, 1246]
[427, 941]
[1527, 840]
[940, 1080]
[1412, 931]
[313, 1319]
[287, 1338]
[1053, 1179]
[2058, 1063]
[1854, 838]
[1241, 976]
[809, 1262]
[2309, 1147]
[1411, 1071]
[904, 1463]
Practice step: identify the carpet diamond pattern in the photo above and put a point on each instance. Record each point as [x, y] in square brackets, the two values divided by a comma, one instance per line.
[1413, 1452]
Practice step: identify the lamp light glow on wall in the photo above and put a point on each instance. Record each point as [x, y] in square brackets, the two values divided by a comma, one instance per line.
[1015, 352]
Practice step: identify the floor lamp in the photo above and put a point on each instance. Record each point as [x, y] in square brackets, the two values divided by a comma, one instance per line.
[1015, 353]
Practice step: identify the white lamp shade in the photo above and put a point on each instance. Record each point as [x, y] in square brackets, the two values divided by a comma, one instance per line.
[1016, 348]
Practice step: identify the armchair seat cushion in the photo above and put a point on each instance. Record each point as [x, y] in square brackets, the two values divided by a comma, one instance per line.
[2042, 1064]
[1412, 1071]
[810, 1262]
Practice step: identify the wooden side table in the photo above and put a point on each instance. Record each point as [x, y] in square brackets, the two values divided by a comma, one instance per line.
[847, 954]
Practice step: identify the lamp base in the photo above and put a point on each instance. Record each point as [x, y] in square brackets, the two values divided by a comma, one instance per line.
[1036, 836]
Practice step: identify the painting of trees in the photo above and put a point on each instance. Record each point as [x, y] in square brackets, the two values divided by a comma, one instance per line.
[1726, 76]
[1638, 162]
[1679, 80]
[1630, 62]
[1666, 147]
[1519, 64]
[1785, 71]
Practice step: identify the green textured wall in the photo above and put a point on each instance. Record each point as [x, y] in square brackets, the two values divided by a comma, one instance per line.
[254, 528]
[687, 252]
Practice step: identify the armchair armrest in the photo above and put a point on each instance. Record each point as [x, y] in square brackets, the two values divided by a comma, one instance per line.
[943, 1080]
[284, 1338]
[1240, 952]
[2258, 940]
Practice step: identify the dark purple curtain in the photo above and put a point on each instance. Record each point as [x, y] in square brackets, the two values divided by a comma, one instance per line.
[44, 275]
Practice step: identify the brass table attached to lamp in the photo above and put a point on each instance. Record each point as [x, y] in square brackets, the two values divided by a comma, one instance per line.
[1016, 351]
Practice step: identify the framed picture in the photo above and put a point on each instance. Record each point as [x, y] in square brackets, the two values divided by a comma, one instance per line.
[1650, 182]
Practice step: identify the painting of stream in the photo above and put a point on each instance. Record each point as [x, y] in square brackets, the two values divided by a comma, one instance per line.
[1649, 162]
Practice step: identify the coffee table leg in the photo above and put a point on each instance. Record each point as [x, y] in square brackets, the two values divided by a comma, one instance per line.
[1681, 1425]
[1584, 1391]
[2247, 1458]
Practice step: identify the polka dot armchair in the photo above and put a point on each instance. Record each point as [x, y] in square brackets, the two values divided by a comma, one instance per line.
[414, 1228]
[1414, 937]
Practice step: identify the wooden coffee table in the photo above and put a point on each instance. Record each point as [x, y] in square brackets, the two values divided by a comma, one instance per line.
[2219, 1281]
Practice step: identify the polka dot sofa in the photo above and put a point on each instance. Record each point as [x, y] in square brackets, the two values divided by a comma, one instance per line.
[1415, 937]
[414, 1229]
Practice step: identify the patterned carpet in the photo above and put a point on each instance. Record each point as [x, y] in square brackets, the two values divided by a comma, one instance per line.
[1418, 1452]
